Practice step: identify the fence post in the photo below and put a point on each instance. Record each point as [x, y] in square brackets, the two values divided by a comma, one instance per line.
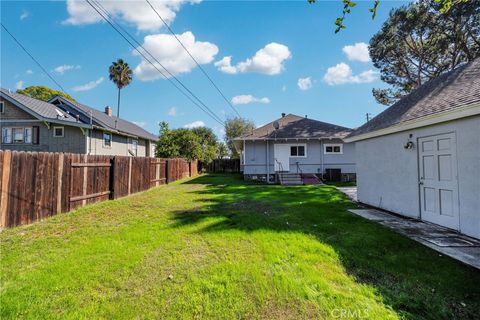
[111, 182]
[7, 157]
[59, 182]
[167, 171]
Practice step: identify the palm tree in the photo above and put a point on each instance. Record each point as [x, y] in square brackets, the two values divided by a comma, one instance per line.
[121, 75]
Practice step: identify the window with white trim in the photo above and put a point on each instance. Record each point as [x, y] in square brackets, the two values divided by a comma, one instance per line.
[17, 135]
[299, 150]
[107, 139]
[2, 107]
[58, 132]
[333, 148]
[134, 147]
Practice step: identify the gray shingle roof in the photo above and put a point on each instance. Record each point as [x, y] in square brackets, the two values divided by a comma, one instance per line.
[451, 90]
[296, 127]
[112, 122]
[40, 108]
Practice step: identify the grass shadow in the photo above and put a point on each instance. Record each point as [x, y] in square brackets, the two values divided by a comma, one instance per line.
[414, 280]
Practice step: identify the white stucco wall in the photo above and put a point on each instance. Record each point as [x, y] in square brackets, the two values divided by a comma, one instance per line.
[387, 174]
[256, 157]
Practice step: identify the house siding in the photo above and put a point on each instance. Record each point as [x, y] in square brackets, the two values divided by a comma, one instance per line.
[120, 144]
[388, 174]
[255, 157]
[12, 112]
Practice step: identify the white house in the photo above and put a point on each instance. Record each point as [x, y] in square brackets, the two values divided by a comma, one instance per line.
[421, 157]
[297, 150]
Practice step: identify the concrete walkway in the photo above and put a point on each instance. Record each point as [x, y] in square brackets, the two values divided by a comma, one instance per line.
[443, 240]
[351, 192]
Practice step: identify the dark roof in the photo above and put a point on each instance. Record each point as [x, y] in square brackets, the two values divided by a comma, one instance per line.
[40, 108]
[451, 90]
[111, 122]
[295, 127]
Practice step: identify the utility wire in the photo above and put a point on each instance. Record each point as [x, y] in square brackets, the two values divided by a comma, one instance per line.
[193, 58]
[108, 18]
[35, 60]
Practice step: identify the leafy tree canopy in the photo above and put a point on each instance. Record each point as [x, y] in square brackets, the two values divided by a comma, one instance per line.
[197, 143]
[443, 6]
[43, 93]
[418, 43]
[235, 127]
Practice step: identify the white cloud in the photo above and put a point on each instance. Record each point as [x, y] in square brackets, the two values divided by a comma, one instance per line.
[137, 13]
[24, 15]
[166, 49]
[195, 124]
[305, 83]
[172, 112]
[88, 86]
[357, 52]
[19, 85]
[342, 74]
[64, 68]
[29, 71]
[268, 60]
[141, 124]
[248, 99]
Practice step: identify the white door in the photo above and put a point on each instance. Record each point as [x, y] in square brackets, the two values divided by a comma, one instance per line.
[282, 157]
[438, 180]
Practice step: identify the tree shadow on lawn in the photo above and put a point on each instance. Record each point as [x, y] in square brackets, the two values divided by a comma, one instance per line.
[414, 280]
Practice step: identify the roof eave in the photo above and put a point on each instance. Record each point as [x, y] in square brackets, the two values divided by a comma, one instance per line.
[457, 113]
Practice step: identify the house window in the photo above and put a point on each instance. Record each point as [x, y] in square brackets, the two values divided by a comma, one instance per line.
[107, 139]
[7, 135]
[17, 135]
[298, 150]
[2, 107]
[333, 148]
[58, 132]
[134, 147]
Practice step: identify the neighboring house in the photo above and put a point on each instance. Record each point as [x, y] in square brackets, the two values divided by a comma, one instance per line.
[421, 157]
[294, 144]
[60, 125]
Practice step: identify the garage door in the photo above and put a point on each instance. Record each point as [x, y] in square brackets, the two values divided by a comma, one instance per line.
[438, 180]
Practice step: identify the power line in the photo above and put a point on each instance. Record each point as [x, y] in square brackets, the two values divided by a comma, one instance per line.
[111, 22]
[35, 60]
[193, 58]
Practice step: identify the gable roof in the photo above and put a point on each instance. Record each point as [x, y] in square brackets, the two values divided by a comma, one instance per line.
[449, 92]
[108, 122]
[40, 109]
[295, 127]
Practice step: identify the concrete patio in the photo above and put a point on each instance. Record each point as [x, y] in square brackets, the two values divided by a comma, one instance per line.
[443, 240]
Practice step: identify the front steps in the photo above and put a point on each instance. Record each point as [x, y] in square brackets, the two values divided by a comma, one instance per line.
[297, 179]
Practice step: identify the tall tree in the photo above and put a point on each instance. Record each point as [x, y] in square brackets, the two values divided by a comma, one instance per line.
[43, 93]
[234, 128]
[418, 42]
[121, 75]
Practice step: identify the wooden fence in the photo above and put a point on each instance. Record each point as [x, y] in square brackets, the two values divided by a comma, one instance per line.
[36, 185]
[221, 165]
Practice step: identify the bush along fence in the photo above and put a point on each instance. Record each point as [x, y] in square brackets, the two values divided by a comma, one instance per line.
[36, 185]
[221, 165]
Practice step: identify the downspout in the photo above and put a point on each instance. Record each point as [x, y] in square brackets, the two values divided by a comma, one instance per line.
[268, 163]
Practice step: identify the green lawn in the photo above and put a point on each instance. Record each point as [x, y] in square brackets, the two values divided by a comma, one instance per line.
[215, 247]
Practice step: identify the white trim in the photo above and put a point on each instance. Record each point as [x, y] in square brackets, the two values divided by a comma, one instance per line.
[304, 145]
[58, 127]
[103, 139]
[333, 145]
[450, 115]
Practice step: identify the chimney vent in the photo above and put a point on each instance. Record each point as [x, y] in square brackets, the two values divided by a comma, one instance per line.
[283, 114]
[108, 111]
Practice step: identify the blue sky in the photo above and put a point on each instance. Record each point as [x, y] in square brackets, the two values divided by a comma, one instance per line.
[284, 57]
